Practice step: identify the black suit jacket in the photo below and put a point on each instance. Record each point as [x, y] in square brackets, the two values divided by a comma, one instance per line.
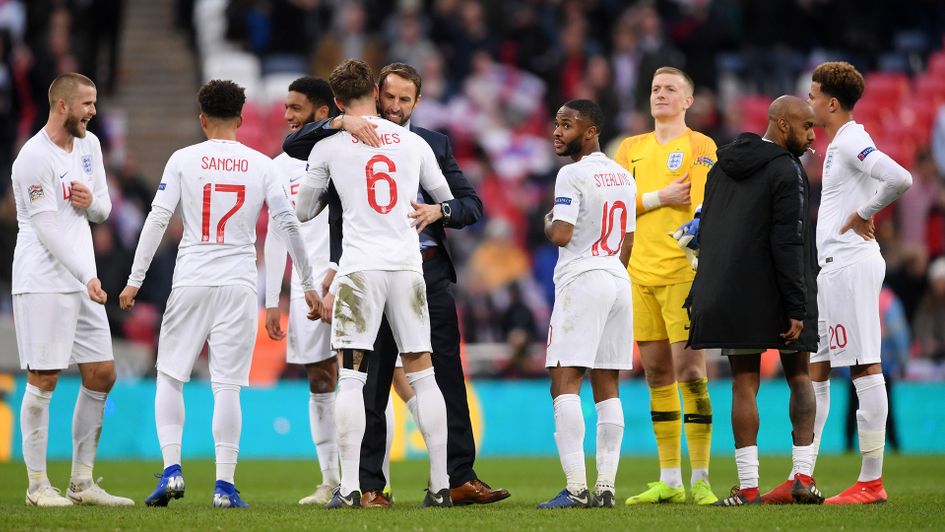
[465, 207]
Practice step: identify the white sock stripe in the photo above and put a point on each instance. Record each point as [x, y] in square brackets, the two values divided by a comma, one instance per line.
[42, 395]
[566, 398]
[869, 381]
[610, 412]
[92, 394]
[417, 375]
[345, 374]
[321, 397]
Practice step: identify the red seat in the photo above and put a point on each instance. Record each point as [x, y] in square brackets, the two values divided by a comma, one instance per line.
[886, 87]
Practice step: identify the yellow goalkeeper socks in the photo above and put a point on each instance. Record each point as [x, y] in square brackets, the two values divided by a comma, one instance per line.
[698, 425]
[667, 423]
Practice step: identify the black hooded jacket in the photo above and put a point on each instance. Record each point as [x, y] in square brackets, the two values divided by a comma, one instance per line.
[757, 260]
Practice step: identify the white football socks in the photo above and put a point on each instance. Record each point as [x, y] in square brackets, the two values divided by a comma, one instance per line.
[822, 398]
[746, 460]
[321, 418]
[350, 424]
[609, 437]
[569, 436]
[227, 426]
[389, 418]
[86, 428]
[431, 418]
[34, 425]
[802, 460]
[412, 407]
[672, 476]
[871, 424]
[169, 417]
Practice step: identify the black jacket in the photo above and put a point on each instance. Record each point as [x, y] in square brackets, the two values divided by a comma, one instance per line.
[466, 207]
[757, 261]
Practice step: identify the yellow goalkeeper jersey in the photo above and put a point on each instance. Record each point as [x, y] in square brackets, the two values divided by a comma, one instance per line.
[656, 260]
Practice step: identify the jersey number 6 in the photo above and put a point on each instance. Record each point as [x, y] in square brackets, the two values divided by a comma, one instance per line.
[374, 176]
[240, 191]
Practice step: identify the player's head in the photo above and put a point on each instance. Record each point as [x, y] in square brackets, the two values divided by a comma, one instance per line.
[791, 124]
[221, 101]
[72, 100]
[352, 81]
[309, 99]
[398, 87]
[670, 93]
[835, 87]
[577, 128]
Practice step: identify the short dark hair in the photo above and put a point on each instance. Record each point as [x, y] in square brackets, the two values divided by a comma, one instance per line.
[351, 80]
[221, 98]
[316, 90]
[64, 86]
[588, 110]
[403, 70]
[840, 80]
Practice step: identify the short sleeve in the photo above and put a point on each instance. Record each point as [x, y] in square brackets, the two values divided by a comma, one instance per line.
[169, 189]
[38, 184]
[567, 198]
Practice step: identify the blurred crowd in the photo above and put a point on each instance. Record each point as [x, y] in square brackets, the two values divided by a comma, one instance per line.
[493, 74]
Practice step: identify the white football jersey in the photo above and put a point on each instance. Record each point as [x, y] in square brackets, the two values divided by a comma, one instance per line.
[376, 186]
[847, 186]
[221, 187]
[598, 197]
[42, 176]
[314, 232]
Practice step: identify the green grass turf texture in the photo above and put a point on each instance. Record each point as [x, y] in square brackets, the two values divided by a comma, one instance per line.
[914, 483]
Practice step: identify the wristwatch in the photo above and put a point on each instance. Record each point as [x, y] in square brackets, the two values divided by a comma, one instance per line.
[446, 211]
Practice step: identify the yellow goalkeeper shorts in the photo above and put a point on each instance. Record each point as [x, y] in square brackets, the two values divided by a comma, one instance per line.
[658, 312]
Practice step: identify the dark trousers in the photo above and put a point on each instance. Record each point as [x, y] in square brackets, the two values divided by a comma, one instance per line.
[448, 368]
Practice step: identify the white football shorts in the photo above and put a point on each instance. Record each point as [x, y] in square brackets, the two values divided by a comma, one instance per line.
[592, 323]
[362, 298]
[225, 317]
[56, 330]
[848, 308]
[309, 341]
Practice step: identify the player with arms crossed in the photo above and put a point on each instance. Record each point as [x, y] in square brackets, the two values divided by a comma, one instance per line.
[221, 187]
[380, 270]
[591, 327]
[59, 187]
[309, 100]
[670, 166]
[858, 182]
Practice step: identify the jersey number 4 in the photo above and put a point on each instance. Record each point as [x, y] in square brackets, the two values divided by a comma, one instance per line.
[208, 190]
[607, 227]
[373, 176]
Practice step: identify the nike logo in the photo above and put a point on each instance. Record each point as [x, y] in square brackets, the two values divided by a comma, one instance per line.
[582, 500]
[437, 498]
[635, 160]
[294, 179]
[64, 174]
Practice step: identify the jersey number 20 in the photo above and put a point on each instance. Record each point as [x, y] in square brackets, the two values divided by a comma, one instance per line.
[208, 190]
[373, 176]
[607, 227]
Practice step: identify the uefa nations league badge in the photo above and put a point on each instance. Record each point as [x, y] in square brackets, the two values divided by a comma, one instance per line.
[675, 160]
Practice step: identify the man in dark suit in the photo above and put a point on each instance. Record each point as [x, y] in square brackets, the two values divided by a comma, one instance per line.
[399, 93]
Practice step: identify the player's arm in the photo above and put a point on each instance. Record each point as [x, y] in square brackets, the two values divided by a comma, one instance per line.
[559, 223]
[434, 183]
[299, 144]
[788, 209]
[675, 193]
[465, 208]
[894, 181]
[274, 253]
[625, 248]
[162, 208]
[702, 162]
[627, 245]
[313, 190]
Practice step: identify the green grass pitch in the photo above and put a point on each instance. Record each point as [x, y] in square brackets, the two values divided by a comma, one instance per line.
[914, 483]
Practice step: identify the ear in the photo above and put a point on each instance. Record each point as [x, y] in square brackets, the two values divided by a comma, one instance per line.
[203, 121]
[239, 121]
[689, 100]
[417, 102]
[341, 107]
[783, 126]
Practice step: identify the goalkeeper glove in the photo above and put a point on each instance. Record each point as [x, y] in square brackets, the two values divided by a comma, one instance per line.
[687, 238]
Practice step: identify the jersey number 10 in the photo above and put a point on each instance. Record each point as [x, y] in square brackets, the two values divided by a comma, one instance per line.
[208, 190]
[607, 227]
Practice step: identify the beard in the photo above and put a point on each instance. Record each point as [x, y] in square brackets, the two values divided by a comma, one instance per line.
[72, 126]
[572, 148]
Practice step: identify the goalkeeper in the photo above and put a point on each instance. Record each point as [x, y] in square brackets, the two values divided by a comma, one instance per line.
[756, 286]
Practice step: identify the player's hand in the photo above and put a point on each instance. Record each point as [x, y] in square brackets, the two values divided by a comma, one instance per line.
[127, 298]
[362, 129]
[81, 195]
[95, 291]
[424, 214]
[327, 305]
[274, 324]
[676, 193]
[326, 282]
[794, 332]
[864, 228]
[314, 305]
